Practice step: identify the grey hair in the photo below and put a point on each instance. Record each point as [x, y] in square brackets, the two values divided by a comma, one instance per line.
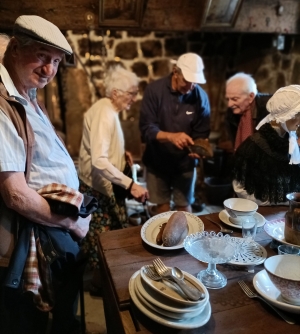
[22, 40]
[119, 78]
[248, 83]
[4, 40]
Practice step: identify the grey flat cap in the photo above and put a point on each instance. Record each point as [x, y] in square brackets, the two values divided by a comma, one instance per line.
[42, 31]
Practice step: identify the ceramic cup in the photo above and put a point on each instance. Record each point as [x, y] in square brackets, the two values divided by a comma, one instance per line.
[239, 209]
[288, 250]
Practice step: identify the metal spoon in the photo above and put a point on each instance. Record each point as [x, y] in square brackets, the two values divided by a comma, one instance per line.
[178, 276]
[222, 229]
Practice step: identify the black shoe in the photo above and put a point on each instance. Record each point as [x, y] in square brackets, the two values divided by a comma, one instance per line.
[198, 206]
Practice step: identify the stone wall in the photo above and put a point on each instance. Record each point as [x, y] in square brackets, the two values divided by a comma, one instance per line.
[148, 54]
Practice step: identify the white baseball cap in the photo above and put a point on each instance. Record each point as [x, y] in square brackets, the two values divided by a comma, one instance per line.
[42, 31]
[192, 67]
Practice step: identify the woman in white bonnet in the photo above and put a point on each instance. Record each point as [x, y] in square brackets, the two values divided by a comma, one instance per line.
[266, 165]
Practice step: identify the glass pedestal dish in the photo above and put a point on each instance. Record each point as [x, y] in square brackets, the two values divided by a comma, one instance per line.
[213, 249]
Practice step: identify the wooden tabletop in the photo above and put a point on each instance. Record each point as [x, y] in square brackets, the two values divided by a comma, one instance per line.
[122, 253]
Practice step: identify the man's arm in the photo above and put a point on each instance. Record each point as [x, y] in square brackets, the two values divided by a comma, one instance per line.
[149, 122]
[179, 139]
[29, 204]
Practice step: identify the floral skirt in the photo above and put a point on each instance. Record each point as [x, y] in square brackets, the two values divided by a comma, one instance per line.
[110, 215]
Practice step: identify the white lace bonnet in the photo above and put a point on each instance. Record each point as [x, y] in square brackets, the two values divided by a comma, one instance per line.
[282, 106]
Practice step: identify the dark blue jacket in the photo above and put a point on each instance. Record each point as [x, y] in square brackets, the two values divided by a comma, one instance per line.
[164, 109]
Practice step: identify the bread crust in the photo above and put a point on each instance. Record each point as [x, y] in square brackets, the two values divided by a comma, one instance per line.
[176, 227]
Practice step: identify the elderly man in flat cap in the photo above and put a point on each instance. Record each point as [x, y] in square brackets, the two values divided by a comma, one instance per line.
[33, 156]
[175, 111]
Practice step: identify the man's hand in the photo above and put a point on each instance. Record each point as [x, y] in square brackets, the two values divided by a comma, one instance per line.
[180, 139]
[139, 193]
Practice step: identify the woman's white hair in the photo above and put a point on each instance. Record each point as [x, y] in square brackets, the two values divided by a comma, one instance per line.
[119, 78]
[248, 83]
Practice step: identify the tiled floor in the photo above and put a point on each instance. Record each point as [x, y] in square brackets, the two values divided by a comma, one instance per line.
[94, 313]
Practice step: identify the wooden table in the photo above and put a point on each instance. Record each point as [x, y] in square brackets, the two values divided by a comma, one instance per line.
[122, 253]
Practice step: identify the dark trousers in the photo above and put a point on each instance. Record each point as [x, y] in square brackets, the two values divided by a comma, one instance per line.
[19, 315]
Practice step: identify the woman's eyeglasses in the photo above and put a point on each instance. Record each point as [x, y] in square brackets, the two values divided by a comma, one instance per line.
[132, 94]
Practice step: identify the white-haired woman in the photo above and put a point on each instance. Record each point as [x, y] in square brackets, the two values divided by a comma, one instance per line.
[102, 160]
[267, 164]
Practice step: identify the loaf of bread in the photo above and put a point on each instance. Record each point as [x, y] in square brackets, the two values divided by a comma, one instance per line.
[175, 230]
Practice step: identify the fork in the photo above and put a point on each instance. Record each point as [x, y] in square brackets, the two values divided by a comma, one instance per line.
[152, 274]
[165, 272]
[251, 294]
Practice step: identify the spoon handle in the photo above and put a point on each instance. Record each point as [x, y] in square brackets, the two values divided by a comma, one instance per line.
[192, 293]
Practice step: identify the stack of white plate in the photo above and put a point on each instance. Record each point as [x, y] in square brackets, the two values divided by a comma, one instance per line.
[164, 303]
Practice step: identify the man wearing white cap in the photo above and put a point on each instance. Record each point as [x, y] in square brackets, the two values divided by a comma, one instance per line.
[32, 156]
[267, 164]
[175, 111]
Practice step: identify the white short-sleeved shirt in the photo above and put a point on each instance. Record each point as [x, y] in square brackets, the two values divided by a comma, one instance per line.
[51, 161]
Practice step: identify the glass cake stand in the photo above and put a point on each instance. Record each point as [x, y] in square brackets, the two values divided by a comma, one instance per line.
[213, 249]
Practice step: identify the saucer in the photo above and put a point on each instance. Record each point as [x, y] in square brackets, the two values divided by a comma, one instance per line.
[264, 286]
[224, 217]
[248, 253]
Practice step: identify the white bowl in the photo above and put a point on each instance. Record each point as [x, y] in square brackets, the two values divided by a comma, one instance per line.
[240, 206]
[284, 272]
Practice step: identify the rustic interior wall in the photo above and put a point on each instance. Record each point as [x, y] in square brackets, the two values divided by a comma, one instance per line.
[148, 54]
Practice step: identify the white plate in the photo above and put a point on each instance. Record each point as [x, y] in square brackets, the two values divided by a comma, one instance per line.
[195, 322]
[168, 291]
[151, 228]
[275, 229]
[264, 286]
[162, 302]
[224, 216]
[249, 254]
[174, 315]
